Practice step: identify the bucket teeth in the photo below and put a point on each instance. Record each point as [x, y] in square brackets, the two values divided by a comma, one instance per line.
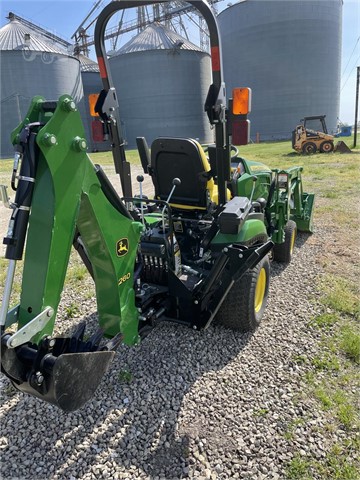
[92, 345]
[112, 344]
[76, 338]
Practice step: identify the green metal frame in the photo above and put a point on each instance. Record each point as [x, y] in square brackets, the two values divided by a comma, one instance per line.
[286, 204]
[68, 195]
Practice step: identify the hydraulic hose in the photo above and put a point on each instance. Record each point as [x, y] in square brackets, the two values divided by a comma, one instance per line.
[15, 239]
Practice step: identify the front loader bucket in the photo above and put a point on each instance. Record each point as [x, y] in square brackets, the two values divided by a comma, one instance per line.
[341, 147]
[59, 371]
[304, 222]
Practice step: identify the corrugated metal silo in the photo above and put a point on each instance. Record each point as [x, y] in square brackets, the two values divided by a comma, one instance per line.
[162, 81]
[97, 139]
[29, 66]
[289, 53]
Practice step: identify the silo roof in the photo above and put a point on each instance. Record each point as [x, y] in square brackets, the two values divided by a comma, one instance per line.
[86, 64]
[16, 36]
[157, 37]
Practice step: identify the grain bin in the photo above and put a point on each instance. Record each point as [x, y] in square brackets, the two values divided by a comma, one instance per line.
[289, 53]
[29, 66]
[162, 81]
[98, 140]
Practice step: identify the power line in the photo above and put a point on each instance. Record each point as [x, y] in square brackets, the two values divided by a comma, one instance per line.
[351, 71]
[357, 41]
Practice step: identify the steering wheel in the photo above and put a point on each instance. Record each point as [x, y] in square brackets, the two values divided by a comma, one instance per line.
[232, 149]
[236, 152]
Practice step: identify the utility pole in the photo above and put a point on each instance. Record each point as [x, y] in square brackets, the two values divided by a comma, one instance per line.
[356, 105]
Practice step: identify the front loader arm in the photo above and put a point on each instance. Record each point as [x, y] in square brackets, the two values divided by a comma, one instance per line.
[69, 196]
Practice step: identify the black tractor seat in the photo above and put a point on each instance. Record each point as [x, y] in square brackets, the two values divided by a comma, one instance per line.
[185, 159]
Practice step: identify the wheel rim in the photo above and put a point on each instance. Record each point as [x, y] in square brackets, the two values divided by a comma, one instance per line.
[260, 290]
[309, 148]
[327, 147]
[292, 242]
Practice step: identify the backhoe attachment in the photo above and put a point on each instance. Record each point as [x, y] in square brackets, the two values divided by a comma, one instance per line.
[62, 200]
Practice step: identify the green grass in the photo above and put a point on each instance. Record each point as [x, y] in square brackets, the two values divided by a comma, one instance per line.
[350, 343]
[339, 401]
[261, 412]
[326, 361]
[341, 295]
[125, 376]
[325, 320]
[338, 464]
[324, 398]
[71, 310]
[106, 158]
[299, 469]
[77, 273]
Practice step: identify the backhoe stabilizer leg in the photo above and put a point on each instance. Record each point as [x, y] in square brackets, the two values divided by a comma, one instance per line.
[7, 293]
[63, 371]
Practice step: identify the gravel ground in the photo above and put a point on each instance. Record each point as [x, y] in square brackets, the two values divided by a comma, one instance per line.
[185, 404]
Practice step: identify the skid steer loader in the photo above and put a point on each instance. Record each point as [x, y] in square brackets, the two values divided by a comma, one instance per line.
[196, 253]
[311, 140]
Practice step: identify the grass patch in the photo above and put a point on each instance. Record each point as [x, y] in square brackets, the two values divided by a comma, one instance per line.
[340, 463]
[261, 412]
[299, 469]
[325, 320]
[341, 295]
[125, 376]
[327, 362]
[71, 310]
[350, 344]
[323, 398]
[331, 195]
[292, 426]
[106, 158]
[300, 359]
[77, 273]
[9, 390]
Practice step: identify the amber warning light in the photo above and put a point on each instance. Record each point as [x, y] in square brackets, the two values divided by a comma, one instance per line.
[241, 101]
[92, 102]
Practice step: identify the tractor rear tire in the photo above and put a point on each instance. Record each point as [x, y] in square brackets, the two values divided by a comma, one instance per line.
[309, 147]
[283, 252]
[327, 146]
[245, 303]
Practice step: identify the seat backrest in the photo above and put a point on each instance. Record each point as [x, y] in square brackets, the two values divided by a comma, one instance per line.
[181, 158]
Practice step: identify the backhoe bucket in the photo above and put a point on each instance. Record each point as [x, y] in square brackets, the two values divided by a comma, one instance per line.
[304, 222]
[60, 371]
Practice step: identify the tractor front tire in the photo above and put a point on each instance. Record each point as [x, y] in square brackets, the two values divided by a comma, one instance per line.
[309, 147]
[245, 303]
[327, 147]
[283, 252]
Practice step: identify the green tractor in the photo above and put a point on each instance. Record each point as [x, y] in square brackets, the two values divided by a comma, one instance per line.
[196, 253]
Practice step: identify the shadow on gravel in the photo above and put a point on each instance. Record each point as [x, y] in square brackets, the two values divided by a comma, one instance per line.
[131, 424]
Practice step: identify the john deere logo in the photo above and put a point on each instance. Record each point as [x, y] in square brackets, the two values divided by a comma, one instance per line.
[122, 247]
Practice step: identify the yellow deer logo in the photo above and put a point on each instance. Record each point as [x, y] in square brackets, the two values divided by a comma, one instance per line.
[122, 247]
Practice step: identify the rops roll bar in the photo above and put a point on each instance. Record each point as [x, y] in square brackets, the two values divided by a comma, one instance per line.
[107, 105]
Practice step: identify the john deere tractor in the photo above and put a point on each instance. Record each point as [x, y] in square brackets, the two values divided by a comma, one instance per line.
[196, 253]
